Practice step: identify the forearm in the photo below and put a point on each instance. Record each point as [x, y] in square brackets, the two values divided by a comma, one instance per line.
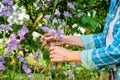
[73, 40]
[74, 56]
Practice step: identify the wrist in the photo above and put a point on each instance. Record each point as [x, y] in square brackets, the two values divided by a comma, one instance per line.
[74, 56]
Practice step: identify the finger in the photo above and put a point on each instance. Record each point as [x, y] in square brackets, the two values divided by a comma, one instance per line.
[52, 53]
[44, 36]
[52, 56]
[51, 48]
[56, 60]
[49, 38]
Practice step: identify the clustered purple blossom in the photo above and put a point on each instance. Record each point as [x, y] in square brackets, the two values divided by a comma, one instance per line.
[57, 12]
[6, 9]
[67, 14]
[21, 59]
[70, 74]
[47, 17]
[55, 21]
[63, 23]
[2, 61]
[35, 55]
[27, 70]
[40, 4]
[25, 65]
[22, 32]
[56, 33]
[7, 27]
[71, 5]
[45, 29]
[12, 44]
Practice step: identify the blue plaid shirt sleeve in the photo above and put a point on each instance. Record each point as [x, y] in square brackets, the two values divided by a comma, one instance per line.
[93, 41]
[107, 55]
[100, 57]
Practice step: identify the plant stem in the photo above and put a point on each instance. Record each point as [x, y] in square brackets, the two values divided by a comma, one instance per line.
[4, 35]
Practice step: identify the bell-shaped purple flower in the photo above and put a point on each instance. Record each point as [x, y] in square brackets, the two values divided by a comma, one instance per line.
[71, 5]
[67, 14]
[55, 21]
[47, 17]
[45, 28]
[57, 12]
[22, 32]
[40, 4]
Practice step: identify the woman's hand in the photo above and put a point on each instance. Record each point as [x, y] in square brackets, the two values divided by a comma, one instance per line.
[48, 38]
[60, 54]
[70, 40]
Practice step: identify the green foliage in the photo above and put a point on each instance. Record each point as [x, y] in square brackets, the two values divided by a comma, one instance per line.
[89, 14]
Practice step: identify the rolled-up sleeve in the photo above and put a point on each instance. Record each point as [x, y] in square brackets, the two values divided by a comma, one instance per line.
[93, 41]
[101, 57]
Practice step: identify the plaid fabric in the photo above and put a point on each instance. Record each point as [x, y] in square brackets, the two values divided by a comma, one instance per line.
[108, 55]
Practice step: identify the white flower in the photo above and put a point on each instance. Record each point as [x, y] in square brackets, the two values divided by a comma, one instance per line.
[18, 16]
[27, 17]
[82, 29]
[76, 34]
[35, 34]
[15, 7]
[74, 25]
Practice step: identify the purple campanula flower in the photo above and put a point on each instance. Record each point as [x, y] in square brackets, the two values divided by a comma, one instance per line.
[55, 21]
[10, 3]
[30, 75]
[57, 12]
[2, 67]
[35, 55]
[20, 47]
[5, 12]
[5, 1]
[21, 59]
[53, 32]
[60, 31]
[52, 44]
[22, 32]
[71, 5]
[12, 37]
[28, 71]
[47, 17]
[1, 58]
[69, 71]
[70, 74]
[2, 27]
[13, 44]
[10, 49]
[40, 4]
[63, 23]
[18, 56]
[59, 37]
[67, 14]
[6, 53]
[24, 67]
[45, 28]
[8, 27]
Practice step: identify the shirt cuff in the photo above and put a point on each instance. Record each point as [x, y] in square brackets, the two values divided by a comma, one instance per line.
[86, 58]
[88, 41]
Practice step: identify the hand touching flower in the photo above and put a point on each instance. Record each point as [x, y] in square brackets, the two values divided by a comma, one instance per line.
[60, 54]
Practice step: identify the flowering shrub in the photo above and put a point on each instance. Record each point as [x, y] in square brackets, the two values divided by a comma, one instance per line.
[23, 22]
